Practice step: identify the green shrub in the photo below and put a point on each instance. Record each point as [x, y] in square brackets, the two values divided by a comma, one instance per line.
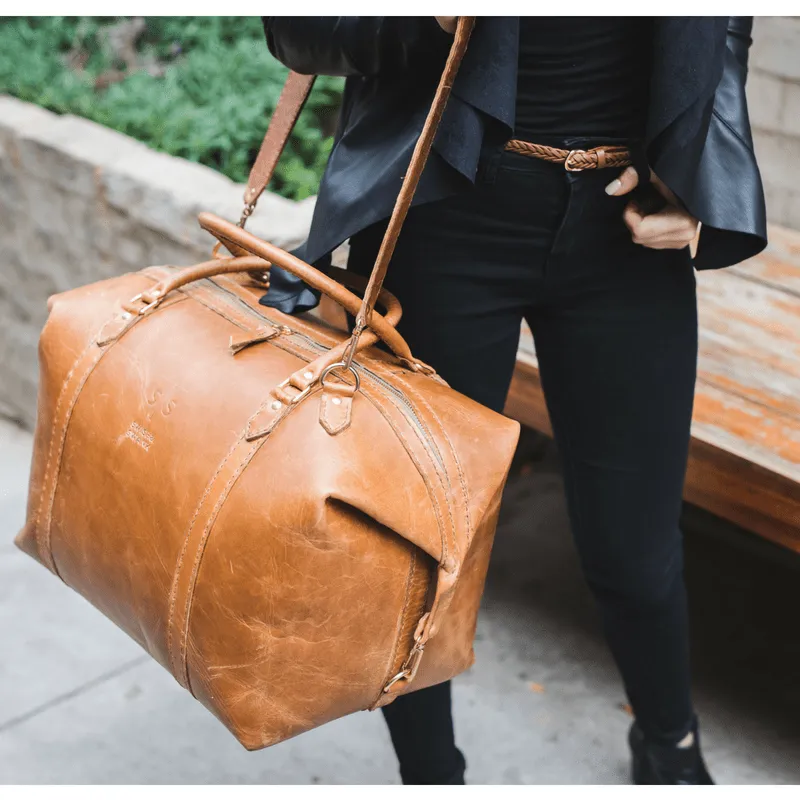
[202, 88]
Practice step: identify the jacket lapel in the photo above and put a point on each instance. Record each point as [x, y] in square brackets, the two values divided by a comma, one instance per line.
[483, 93]
[487, 78]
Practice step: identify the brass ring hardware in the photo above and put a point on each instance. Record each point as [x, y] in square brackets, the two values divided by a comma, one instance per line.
[337, 365]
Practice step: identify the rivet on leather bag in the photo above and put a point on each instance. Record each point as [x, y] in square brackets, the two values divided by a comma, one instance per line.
[295, 523]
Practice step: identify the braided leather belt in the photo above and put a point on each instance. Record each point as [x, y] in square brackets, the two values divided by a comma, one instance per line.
[574, 160]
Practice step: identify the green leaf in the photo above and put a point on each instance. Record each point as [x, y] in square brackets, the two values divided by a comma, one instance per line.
[203, 89]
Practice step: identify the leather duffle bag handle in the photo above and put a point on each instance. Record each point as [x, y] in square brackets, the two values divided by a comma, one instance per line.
[292, 99]
[254, 255]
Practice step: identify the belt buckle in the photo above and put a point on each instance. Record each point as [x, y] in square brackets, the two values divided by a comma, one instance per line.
[567, 166]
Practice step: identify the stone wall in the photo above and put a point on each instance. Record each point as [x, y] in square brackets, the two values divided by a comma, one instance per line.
[79, 203]
[773, 94]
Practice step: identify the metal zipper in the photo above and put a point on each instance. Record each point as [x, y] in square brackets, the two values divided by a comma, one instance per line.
[411, 411]
[408, 408]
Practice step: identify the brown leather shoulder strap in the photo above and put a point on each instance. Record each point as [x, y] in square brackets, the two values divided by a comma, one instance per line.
[293, 97]
[411, 180]
[290, 104]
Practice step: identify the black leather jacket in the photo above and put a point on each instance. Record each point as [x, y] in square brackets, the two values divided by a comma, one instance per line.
[698, 135]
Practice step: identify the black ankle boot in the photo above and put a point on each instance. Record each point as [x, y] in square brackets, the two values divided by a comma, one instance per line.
[439, 774]
[657, 764]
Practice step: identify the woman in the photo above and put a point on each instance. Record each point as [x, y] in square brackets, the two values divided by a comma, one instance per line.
[523, 212]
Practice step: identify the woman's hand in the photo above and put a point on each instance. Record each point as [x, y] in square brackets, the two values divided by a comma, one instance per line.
[672, 228]
[447, 24]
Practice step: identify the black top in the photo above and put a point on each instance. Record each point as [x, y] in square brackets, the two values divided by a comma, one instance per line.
[697, 135]
[583, 76]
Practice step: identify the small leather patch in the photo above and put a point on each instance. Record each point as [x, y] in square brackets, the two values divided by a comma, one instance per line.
[336, 407]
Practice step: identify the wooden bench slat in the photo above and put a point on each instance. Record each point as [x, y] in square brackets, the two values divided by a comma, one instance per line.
[778, 265]
[740, 491]
[748, 430]
[754, 322]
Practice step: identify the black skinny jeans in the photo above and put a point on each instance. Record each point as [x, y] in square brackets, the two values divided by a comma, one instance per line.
[615, 328]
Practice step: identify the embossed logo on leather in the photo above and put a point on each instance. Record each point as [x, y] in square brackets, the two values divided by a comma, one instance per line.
[156, 399]
[139, 435]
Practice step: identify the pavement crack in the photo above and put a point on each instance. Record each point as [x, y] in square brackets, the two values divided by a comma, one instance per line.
[76, 692]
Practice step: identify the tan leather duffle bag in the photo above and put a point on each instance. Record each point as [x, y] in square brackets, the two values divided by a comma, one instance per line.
[293, 521]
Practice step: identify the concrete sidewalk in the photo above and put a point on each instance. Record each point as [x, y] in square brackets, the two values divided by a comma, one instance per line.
[81, 703]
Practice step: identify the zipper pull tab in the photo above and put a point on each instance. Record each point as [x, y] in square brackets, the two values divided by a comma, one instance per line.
[262, 334]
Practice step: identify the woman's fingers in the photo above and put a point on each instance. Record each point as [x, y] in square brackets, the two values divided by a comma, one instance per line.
[662, 227]
[670, 228]
[625, 182]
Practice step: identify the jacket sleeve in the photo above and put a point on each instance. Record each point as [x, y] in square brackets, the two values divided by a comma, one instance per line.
[356, 46]
[740, 30]
[729, 194]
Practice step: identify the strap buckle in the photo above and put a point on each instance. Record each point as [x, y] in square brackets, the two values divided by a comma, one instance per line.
[409, 668]
[293, 399]
[150, 299]
[567, 166]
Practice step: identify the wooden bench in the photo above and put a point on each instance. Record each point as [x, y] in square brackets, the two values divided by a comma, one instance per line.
[744, 464]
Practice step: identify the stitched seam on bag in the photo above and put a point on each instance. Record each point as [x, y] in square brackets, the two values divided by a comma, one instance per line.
[251, 326]
[431, 493]
[461, 479]
[272, 423]
[178, 568]
[399, 379]
[226, 285]
[201, 546]
[325, 418]
[45, 491]
[421, 400]
[179, 565]
[324, 338]
[61, 396]
[426, 448]
[90, 369]
[45, 547]
[390, 671]
[197, 292]
[59, 459]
